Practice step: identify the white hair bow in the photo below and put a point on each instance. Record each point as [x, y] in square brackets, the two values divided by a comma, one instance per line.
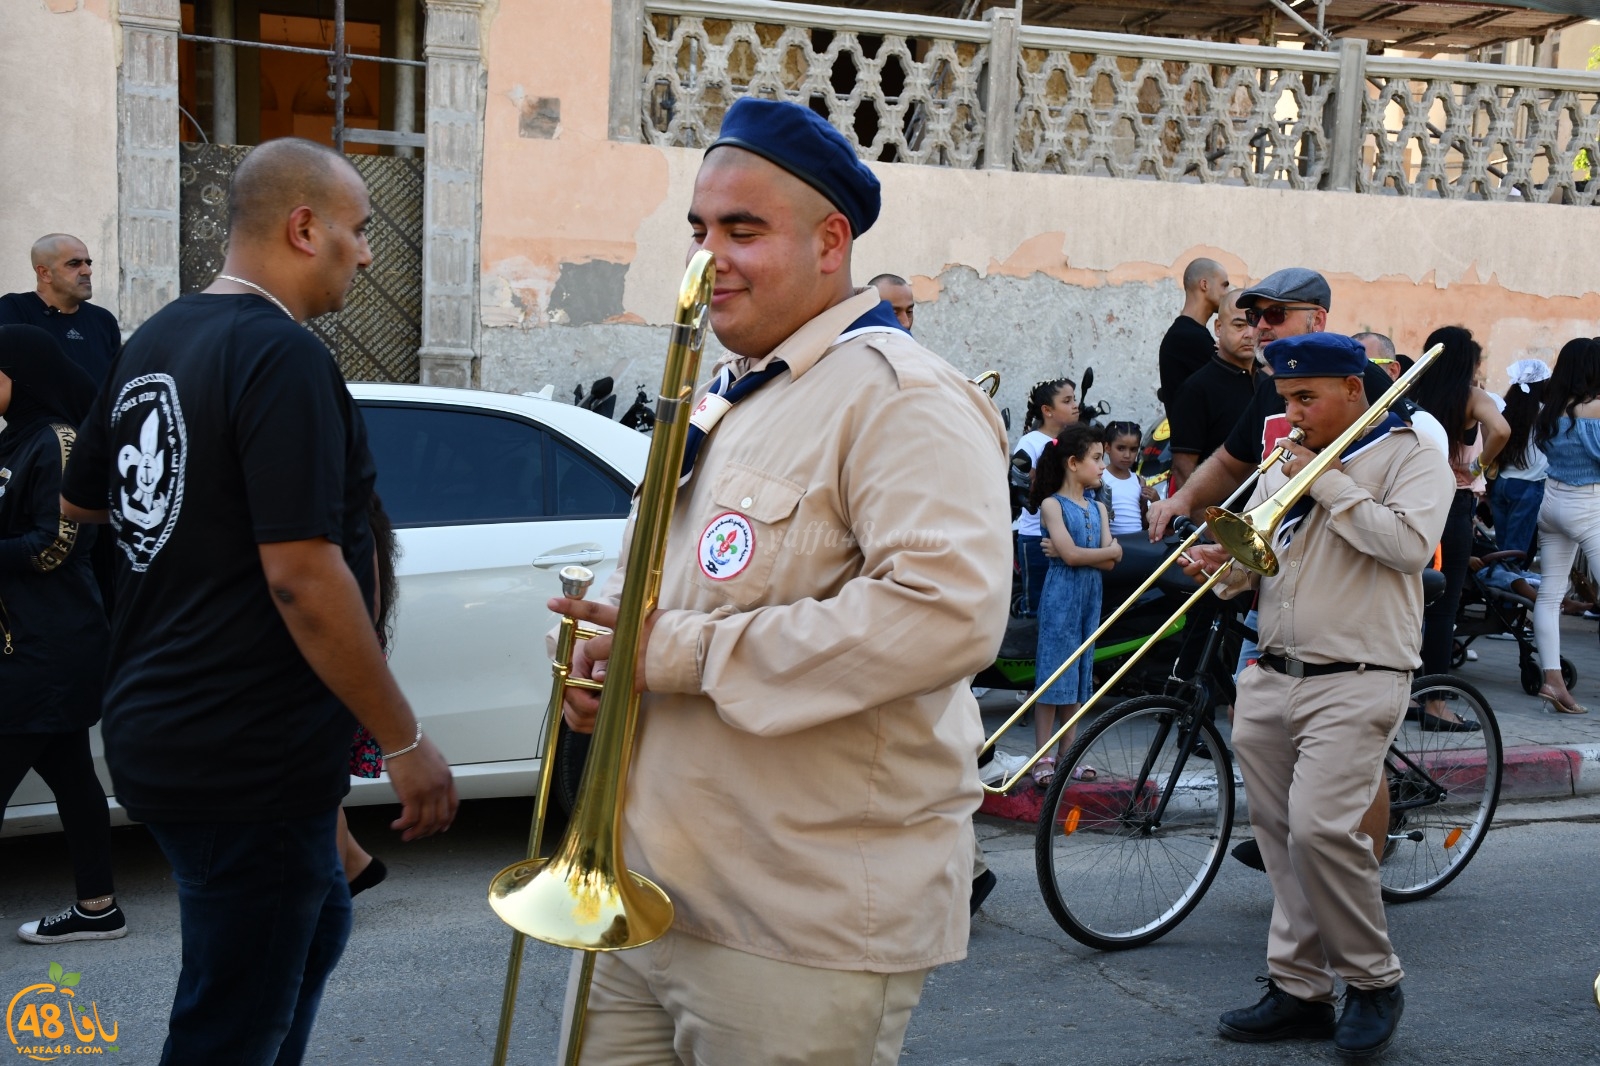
[1525, 372]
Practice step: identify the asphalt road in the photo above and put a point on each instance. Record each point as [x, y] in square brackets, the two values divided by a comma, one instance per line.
[1500, 964]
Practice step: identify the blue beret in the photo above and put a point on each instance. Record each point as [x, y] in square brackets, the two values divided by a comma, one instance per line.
[1317, 355]
[802, 142]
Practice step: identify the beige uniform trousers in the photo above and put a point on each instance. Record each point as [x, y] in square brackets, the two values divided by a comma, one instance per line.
[689, 1001]
[1311, 752]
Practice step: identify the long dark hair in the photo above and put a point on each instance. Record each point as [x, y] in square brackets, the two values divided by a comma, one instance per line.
[1042, 393]
[46, 386]
[1575, 380]
[1446, 389]
[388, 549]
[1522, 410]
[1051, 470]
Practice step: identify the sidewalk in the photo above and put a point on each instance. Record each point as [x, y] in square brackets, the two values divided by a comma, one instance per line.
[1547, 755]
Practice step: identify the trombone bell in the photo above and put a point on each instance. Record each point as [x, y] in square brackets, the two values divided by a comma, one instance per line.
[578, 904]
[1237, 533]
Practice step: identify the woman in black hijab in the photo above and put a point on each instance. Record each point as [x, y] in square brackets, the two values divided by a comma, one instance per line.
[53, 632]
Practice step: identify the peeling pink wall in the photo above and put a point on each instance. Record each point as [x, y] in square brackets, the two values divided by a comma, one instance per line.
[58, 135]
[569, 198]
[566, 195]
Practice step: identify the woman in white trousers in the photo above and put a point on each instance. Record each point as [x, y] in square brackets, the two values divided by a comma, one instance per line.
[1568, 432]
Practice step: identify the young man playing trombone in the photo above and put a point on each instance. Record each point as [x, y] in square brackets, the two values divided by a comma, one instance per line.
[835, 570]
[1340, 635]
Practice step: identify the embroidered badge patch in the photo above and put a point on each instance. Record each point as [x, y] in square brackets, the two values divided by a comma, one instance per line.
[726, 546]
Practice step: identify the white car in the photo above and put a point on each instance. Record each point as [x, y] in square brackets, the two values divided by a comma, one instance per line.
[490, 496]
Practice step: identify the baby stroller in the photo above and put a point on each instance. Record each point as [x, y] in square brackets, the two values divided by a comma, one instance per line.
[1491, 606]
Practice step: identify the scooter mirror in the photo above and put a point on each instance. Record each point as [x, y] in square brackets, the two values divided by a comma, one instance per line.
[1088, 380]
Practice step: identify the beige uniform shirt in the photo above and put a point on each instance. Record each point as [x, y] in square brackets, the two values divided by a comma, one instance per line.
[1349, 584]
[837, 569]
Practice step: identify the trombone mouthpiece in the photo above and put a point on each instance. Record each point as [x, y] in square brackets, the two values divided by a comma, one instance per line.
[575, 581]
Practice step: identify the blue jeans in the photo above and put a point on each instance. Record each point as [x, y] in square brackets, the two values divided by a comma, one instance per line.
[265, 913]
[1515, 505]
[1249, 650]
[1034, 563]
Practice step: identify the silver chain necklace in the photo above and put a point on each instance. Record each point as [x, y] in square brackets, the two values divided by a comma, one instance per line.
[258, 288]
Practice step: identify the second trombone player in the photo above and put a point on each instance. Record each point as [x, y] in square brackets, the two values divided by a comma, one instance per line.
[1340, 634]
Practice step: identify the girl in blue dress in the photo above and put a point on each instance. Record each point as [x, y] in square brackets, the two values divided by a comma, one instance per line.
[1068, 472]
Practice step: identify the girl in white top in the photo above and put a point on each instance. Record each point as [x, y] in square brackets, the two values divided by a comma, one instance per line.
[1126, 494]
[1052, 407]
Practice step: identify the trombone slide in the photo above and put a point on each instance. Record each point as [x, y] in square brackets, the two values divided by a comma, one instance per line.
[1011, 782]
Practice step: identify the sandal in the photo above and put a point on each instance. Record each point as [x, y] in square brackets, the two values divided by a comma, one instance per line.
[1084, 772]
[1044, 771]
[1561, 708]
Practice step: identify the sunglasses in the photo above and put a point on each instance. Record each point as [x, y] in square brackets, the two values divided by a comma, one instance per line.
[1383, 362]
[1274, 315]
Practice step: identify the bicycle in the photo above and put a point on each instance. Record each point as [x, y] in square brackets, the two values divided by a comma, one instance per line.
[1124, 857]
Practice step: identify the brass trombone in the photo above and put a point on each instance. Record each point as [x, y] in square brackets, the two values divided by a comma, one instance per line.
[988, 381]
[584, 896]
[1247, 538]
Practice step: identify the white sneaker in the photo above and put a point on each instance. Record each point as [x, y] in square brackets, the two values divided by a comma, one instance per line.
[1002, 766]
[1472, 656]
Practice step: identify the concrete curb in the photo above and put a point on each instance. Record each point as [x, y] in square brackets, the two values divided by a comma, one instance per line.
[1528, 772]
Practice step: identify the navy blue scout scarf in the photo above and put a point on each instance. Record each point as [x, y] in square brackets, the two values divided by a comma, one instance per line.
[726, 390]
[1303, 506]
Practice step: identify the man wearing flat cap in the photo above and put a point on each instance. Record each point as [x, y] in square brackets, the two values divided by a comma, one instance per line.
[837, 567]
[1340, 635]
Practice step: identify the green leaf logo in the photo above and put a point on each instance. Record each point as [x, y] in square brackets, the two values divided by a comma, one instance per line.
[55, 972]
[71, 979]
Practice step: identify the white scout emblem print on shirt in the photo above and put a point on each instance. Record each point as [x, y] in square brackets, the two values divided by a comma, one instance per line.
[147, 423]
[726, 546]
[5, 479]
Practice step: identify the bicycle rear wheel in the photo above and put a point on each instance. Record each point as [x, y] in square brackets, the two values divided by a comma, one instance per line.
[1443, 789]
[1115, 871]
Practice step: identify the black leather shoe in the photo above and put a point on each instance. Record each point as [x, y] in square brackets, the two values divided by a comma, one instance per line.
[1369, 1020]
[982, 885]
[1249, 853]
[1279, 1016]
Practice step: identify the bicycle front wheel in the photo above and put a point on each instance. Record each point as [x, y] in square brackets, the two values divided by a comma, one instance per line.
[1444, 785]
[1122, 858]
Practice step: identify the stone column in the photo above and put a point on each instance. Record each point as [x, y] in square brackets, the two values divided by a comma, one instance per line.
[1344, 124]
[224, 77]
[405, 78]
[147, 157]
[627, 69]
[456, 87]
[1000, 90]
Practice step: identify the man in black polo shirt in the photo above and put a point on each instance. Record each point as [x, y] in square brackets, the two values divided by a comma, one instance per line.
[233, 467]
[1285, 304]
[1215, 395]
[59, 304]
[1187, 345]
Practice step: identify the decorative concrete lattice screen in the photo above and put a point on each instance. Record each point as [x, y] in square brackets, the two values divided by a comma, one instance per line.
[1100, 104]
[996, 94]
[1436, 129]
[898, 98]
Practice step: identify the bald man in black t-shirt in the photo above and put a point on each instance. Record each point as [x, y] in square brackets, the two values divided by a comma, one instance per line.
[1187, 345]
[59, 304]
[232, 465]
